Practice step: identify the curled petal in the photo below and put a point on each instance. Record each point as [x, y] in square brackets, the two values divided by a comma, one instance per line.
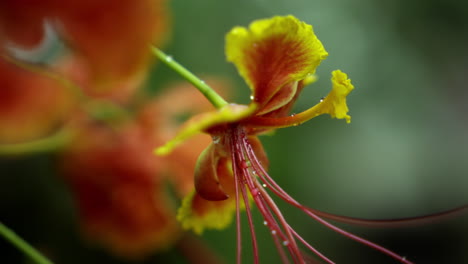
[272, 53]
[335, 102]
[202, 122]
[206, 176]
[334, 105]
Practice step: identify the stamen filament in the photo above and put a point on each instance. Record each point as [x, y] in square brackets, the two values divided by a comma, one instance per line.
[262, 199]
[238, 218]
[280, 192]
[266, 179]
[305, 243]
[251, 224]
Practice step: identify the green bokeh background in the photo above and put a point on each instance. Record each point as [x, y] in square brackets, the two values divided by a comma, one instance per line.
[404, 154]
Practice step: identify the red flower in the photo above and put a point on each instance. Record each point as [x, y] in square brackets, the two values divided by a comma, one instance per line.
[31, 104]
[276, 57]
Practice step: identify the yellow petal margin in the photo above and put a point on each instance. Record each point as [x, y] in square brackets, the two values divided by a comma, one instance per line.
[200, 123]
[335, 102]
[273, 52]
[197, 213]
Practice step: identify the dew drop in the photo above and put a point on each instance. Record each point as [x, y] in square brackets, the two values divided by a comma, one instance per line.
[252, 97]
[244, 164]
[169, 58]
[264, 185]
[321, 99]
[202, 81]
[285, 243]
[273, 232]
[256, 192]
[265, 222]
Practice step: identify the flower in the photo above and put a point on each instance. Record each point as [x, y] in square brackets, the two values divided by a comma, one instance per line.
[109, 38]
[107, 55]
[120, 190]
[22, 93]
[277, 57]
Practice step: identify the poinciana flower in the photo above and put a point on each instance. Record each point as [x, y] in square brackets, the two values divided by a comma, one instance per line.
[120, 191]
[276, 57]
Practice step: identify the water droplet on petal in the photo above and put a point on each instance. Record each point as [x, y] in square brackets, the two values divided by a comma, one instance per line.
[285, 243]
[265, 222]
[273, 232]
[252, 97]
[264, 185]
[321, 99]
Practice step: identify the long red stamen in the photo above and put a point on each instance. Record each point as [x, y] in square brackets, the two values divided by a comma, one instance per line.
[251, 224]
[263, 201]
[272, 185]
[238, 219]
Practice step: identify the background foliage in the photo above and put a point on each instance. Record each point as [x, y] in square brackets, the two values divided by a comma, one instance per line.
[404, 154]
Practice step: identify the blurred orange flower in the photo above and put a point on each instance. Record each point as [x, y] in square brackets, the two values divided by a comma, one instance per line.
[120, 187]
[111, 37]
[31, 104]
[107, 44]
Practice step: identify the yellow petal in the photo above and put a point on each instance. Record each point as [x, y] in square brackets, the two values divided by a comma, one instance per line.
[335, 102]
[274, 52]
[197, 213]
[200, 123]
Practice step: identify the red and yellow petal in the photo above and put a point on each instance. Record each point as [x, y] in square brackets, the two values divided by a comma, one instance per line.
[272, 53]
[333, 104]
[202, 122]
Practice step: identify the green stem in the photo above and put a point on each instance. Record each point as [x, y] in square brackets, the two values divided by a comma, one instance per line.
[205, 89]
[22, 245]
[50, 143]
